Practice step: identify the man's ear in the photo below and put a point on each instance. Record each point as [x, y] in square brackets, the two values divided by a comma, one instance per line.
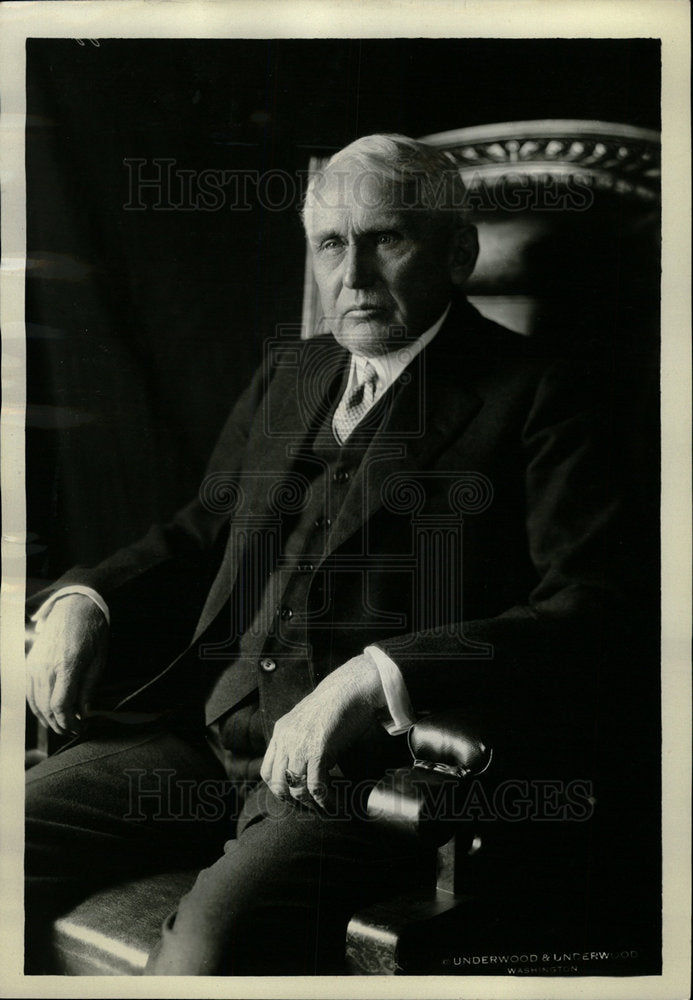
[464, 250]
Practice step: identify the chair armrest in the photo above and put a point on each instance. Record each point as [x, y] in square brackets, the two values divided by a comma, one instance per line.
[420, 801]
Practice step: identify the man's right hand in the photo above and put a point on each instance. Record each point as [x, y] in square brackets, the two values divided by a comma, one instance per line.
[66, 655]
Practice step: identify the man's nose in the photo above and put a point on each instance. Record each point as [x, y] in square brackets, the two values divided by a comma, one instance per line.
[358, 267]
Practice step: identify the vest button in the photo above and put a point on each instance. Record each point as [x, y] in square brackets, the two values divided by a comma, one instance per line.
[306, 567]
[285, 612]
[267, 664]
[340, 476]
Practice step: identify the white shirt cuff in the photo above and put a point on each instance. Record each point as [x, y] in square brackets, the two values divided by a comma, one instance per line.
[396, 695]
[89, 592]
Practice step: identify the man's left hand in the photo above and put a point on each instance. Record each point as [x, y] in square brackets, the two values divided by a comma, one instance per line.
[306, 742]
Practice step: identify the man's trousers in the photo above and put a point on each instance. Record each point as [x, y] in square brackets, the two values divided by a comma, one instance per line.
[278, 882]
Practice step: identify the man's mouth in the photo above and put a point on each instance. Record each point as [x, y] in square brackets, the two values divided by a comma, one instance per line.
[362, 312]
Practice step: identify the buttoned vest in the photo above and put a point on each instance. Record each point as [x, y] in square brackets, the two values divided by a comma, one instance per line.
[281, 584]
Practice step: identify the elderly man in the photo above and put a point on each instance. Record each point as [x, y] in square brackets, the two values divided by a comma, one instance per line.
[408, 511]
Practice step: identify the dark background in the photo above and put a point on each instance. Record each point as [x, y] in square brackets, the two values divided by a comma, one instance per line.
[143, 326]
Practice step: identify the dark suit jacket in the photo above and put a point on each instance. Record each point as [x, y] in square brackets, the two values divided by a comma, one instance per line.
[485, 542]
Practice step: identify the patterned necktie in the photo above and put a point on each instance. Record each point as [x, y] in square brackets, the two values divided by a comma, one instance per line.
[354, 405]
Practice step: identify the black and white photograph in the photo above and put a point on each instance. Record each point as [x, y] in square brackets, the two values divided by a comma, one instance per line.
[341, 443]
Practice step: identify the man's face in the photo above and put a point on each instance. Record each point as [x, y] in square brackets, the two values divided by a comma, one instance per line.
[384, 272]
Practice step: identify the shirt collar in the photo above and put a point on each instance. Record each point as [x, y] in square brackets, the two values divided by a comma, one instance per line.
[390, 366]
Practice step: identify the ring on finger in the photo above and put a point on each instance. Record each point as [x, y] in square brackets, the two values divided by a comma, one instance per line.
[294, 780]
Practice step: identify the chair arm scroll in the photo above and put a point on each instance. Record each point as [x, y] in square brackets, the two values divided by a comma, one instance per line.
[419, 801]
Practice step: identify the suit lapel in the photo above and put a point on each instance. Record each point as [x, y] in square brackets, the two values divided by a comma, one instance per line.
[299, 395]
[427, 409]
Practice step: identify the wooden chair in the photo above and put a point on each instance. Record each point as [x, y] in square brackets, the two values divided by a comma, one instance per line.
[568, 217]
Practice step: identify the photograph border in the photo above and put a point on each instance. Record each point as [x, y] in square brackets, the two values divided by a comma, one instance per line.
[664, 19]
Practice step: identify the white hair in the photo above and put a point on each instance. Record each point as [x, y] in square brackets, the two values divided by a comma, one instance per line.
[422, 176]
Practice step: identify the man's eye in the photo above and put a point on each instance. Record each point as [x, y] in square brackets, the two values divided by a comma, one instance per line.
[331, 245]
[383, 239]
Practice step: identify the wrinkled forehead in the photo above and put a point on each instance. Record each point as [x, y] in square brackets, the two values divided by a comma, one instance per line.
[353, 195]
